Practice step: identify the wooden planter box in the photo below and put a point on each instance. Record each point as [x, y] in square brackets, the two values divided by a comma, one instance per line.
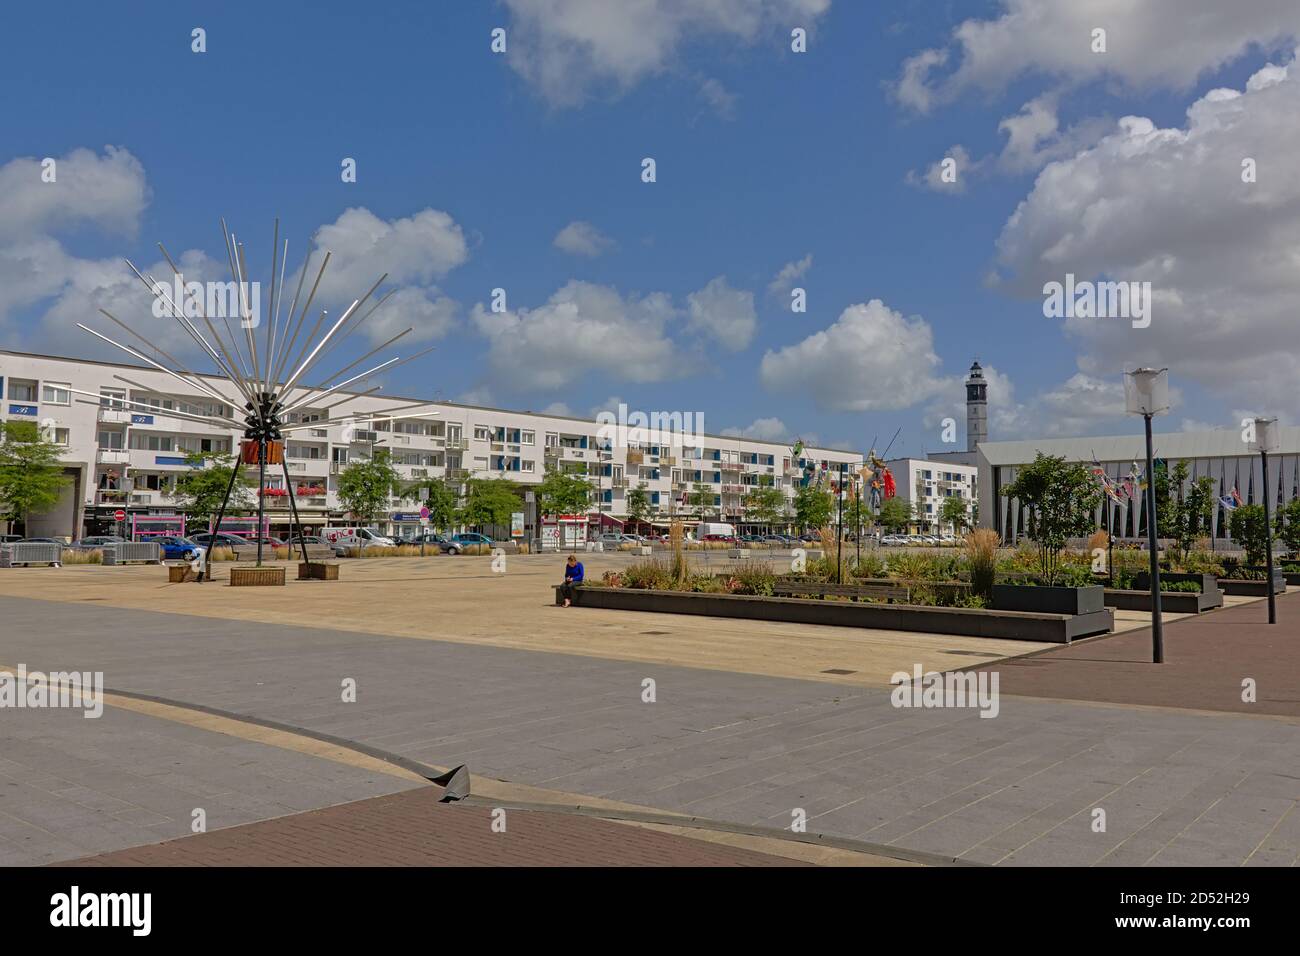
[257, 577]
[180, 574]
[1173, 602]
[316, 571]
[1088, 599]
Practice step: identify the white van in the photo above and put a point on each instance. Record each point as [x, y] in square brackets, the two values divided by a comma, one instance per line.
[340, 538]
[715, 530]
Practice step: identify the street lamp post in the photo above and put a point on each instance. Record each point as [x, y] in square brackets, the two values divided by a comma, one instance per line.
[1266, 440]
[1146, 393]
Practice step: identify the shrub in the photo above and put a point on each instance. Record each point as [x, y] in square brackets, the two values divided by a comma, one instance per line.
[1191, 586]
[921, 567]
[981, 549]
[1201, 562]
[1249, 529]
[654, 575]
[94, 556]
[757, 578]
[1074, 576]
[869, 566]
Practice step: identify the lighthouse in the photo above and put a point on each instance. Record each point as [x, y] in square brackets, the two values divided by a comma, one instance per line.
[977, 407]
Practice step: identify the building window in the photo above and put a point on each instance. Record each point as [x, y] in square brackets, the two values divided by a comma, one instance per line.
[60, 436]
[56, 393]
[21, 390]
[482, 433]
[111, 440]
[112, 398]
[527, 438]
[146, 442]
[528, 465]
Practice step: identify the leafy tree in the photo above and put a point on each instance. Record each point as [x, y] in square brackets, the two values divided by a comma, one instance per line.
[1250, 530]
[1288, 526]
[856, 514]
[812, 507]
[563, 494]
[701, 498]
[31, 476]
[489, 501]
[365, 486]
[441, 502]
[953, 513]
[200, 490]
[765, 505]
[1183, 513]
[1061, 499]
[894, 514]
[638, 505]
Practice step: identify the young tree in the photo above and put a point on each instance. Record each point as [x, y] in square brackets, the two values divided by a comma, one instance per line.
[765, 505]
[953, 513]
[812, 507]
[894, 514]
[638, 505]
[1183, 512]
[31, 477]
[561, 494]
[489, 501]
[701, 499]
[441, 502]
[1288, 526]
[1250, 530]
[1060, 499]
[365, 486]
[200, 490]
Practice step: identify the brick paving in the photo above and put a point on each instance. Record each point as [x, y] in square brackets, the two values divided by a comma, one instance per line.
[1207, 657]
[413, 829]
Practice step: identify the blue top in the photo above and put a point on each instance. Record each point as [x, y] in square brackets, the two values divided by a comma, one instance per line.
[573, 574]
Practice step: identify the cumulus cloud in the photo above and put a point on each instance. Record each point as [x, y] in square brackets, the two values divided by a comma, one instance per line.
[413, 251]
[1156, 44]
[870, 359]
[568, 48]
[581, 238]
[761, 429]
[582, 328]
[1170, 207]
[788, 275]
[933, 177]
[723, 314]
[106, 191]
[719, 98]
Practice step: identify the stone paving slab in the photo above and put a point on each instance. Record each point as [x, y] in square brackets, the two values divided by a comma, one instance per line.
[741, 747]
[413, 829]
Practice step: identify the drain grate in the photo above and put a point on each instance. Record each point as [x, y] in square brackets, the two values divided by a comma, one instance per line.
[838, 670]
[656, 632]
[971, 653]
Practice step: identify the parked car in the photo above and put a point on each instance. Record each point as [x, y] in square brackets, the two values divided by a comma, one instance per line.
[10, 538]
[345, 538]
[610, 539]
[894, 541]
[470, 539]
[304, 539]
[174, 547]
[58, 541]
[431, 539]
[223, 540]
[95, 541]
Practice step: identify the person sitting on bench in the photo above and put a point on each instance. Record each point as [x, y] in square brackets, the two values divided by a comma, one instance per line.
[572, 578]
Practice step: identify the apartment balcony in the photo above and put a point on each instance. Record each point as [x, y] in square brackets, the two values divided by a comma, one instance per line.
[111, 456]
[635, 456]
[456, 444]
[457, 474]
[108, 496]
[114, 416]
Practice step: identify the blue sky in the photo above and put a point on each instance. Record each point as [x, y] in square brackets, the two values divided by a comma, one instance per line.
[764, 157]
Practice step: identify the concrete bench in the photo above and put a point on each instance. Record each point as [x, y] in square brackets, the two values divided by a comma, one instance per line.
[820, 589]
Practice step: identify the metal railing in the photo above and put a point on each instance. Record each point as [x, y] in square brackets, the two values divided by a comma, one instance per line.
[30, 552]
[124, 552]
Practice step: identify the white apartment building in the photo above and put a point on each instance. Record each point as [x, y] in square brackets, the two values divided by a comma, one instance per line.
[931, 482]
[124, 450]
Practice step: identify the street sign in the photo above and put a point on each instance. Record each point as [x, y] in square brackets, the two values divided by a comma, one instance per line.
[119, 515]
[424, 514]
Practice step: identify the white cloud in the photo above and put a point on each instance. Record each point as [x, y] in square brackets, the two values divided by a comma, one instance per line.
[724, 314]
[559, 409]
[580, 238]
[719, 98]
[583, 328]
[413, 251]
[932, 177]
[1155, 44]
[567, 49]
[789, 273]
[1169, 206]
[108, 192]
[870, 359]
[761, 429]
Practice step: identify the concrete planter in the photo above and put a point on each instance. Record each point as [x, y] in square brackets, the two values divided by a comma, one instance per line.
[1253, 588]
[1291, 577]
[1088, 599]
[1207, 582]
[1174, 602]
[257, 577]
[973, 622]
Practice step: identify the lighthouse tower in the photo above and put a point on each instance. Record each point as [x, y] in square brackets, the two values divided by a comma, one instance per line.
[977, 407]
